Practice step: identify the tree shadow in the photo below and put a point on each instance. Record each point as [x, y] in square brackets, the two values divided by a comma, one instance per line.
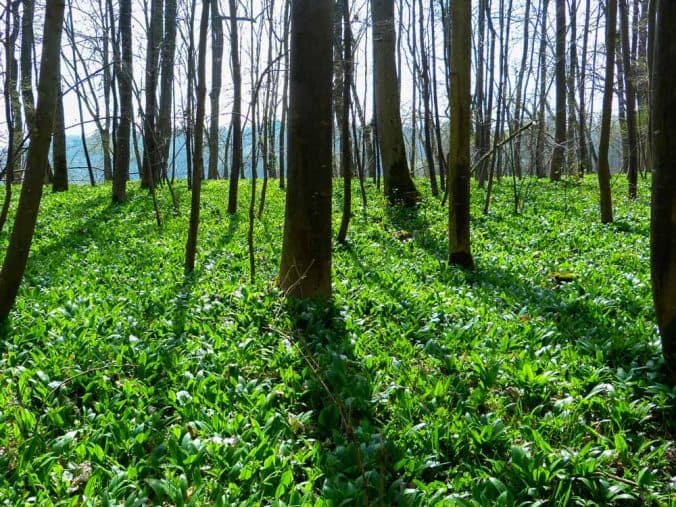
[413, 224]
[556, 314]
[357, 459]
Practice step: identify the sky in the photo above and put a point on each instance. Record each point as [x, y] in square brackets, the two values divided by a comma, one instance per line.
[88, 24]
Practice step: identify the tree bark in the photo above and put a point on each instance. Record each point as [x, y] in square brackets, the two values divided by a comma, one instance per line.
[151, 160]
[559, 155]
[124, 69]
[215, 95]
[60, 179]
[236, 166]
[663, 226]
[398, 185]
[603, 165]
[632, 134]
[306, 253]
[164, 129]
[346, 162]
[459, 248]
[31, 192]
[191, 243]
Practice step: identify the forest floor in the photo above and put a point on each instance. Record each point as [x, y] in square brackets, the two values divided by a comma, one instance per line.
[535, 379]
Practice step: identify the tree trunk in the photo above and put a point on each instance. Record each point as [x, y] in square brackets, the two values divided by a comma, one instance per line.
[236, 166]
[215, 95]
[191, 243]
[151, 160]
[124, 70]
[60, 179]
[559, 155]
[38, 153]
[542, 100]
[306, 253]
[459, 249]
[632, 134]
[399, 187]
[346, 162]
[603, 165]
[663, 226]
[164, 129]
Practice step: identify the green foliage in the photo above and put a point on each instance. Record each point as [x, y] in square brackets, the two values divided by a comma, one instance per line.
[535, 380]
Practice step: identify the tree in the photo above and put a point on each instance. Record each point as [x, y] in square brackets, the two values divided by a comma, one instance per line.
[236, 126]
[191, 243]
[38, 153]
[459, 250]
[603, 165]
[559, 155]
[345, 140]
[663, 226]
[217, 69]
[399, 187]
[630, 101]
[60, 179]
[151, 161]
[306, 253]
[124, 71]
[166, 85]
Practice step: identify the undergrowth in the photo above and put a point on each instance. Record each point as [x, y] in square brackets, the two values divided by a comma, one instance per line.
[534, 380]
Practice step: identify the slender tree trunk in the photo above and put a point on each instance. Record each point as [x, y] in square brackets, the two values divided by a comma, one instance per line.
[236, 166]
[31, 192]
[520, 92]
[168, 51]
[632, 133]
[542, 101]
[215, 95]
[15, 96]
[345, 141]
[151, 160]
[285, 99]
[426, 100]
[191, 244]
[60, 179]
[27, 39]
[584, 160]
[663, 226]
[559, 155]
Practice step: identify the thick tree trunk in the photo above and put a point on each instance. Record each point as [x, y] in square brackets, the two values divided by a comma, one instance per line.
[31, 191]
[306, 253]
[664, 180]
[399, 187]
[459, 160]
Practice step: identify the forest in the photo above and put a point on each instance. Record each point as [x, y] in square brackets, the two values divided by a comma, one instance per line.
[335, 253]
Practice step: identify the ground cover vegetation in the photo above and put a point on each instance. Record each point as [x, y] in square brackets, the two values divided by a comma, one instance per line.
[535, 379]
